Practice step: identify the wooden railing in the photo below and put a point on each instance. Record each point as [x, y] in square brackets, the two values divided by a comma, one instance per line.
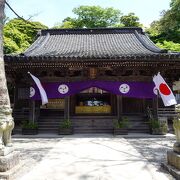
[164, 112]
[167, 112]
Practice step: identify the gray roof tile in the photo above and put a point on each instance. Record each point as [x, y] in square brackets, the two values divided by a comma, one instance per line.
[92, 43]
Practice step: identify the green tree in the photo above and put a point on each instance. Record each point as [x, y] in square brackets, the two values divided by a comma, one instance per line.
[66, 23]
[92, 17]
[19, 35]
[130, 20]
[165, 32]
[170, 45]
[170, 21]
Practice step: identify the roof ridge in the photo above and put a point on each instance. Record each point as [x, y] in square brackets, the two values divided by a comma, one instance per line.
[39, 43]
[153, 49]
[90, 31]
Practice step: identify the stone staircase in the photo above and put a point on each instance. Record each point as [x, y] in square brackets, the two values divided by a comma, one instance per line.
[138, 124]
[49, 120]
[92, 124]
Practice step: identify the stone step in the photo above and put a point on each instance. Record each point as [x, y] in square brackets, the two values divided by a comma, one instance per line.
[54, 131]
[48, 125]
[91, 124]
[48, 128]
[50, 120]
[17, 130]
[93, 117]
[138, 127]
[138, 123]
[51, 117]
[51, 114]
[139, 131]
[89, 130]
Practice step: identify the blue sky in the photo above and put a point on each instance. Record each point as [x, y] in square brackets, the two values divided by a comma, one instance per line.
[54, 11]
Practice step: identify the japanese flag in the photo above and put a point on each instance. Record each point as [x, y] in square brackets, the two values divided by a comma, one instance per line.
[41, 89]
[164, 91]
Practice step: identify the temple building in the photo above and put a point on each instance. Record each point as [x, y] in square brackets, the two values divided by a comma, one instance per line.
[91, 76]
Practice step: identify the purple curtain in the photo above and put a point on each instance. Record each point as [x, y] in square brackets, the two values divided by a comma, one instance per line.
[63, 89]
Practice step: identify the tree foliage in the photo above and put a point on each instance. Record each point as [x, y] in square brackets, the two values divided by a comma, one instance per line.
[130, 20]
[67, 23]
[170, 45]
[170, 22]
[96, 16]
[92, 17]
[166, 31]
[18, 35]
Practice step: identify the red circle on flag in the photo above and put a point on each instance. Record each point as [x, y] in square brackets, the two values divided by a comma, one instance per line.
[164, 89]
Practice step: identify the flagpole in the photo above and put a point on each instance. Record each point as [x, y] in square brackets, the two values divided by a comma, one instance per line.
[68, 107]
[33, 115]
[157, 104]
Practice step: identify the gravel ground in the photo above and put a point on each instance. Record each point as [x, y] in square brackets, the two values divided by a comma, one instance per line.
[154, 150]
[33, 150]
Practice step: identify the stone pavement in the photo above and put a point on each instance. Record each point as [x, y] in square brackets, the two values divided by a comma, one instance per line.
[92, 157]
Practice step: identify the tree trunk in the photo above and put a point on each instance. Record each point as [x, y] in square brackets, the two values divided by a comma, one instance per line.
[6, 121]
[4, 97]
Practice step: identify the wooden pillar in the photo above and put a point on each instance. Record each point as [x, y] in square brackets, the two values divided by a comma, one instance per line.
[144, 106]
[67, 108]
[119, 106]
[72, 105]
[37, 110]
[68, 111]
[118, 112]
[155, 107]
[112, 104]
[32, 110]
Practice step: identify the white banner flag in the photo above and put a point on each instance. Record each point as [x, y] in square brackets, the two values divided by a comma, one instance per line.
[164, 90]
[41, 89]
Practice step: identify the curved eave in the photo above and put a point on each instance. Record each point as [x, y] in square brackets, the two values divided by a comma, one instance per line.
[131, 58]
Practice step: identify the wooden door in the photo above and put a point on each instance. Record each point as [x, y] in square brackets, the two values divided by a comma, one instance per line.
[132, 105]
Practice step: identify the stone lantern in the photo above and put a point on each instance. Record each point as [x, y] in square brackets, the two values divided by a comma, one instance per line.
[173, 157]
[176, 125]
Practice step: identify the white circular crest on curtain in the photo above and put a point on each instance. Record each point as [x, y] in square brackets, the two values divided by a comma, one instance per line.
[155, 91]
[32, 92]
[124, 88]
[63, 89]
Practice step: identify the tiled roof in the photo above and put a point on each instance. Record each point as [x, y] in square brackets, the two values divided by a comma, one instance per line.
[92, 43]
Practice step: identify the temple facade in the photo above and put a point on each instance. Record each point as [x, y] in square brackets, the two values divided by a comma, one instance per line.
[92, 77]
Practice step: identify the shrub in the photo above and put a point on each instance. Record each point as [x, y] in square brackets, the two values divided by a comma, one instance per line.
[154, 124]
[122, 123]
[29, 125]
[65, 124]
